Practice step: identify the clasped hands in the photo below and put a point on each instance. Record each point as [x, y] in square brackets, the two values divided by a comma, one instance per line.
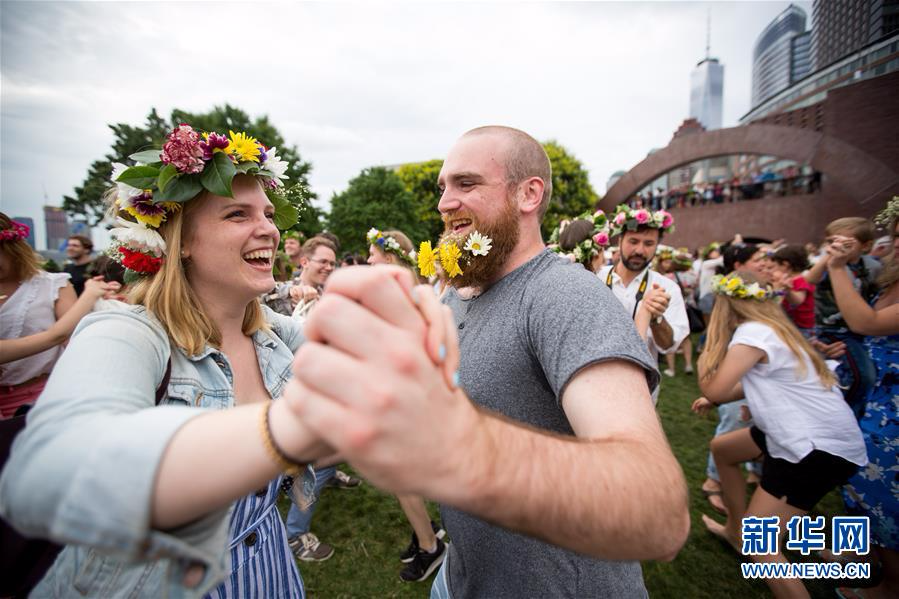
[655, 301]
[376, 380]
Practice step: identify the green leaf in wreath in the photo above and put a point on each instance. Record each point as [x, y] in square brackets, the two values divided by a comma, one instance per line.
[218, 174]
[247, 168]
[286, 215]
[180, 189]
[168, 173]
[147, 156]
[141, 177]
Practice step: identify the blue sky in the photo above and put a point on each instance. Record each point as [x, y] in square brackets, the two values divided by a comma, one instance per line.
[358, 84]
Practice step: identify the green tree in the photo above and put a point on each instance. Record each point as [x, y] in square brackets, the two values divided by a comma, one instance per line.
[572, 192]
[420, 179]
[374, 198]
[87, 200]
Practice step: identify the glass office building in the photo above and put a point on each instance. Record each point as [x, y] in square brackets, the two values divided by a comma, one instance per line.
[776, 58]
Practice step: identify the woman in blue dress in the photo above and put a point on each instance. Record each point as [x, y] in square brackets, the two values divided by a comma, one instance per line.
[874, 490]
[156, 450]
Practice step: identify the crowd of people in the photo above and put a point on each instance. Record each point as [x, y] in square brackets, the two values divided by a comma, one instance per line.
[785, 182]
[164, 395]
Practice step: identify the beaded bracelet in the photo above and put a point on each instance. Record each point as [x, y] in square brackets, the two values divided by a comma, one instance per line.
[288, 466]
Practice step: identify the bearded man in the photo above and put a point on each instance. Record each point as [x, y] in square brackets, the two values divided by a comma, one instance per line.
[557, 440]
[654, 301]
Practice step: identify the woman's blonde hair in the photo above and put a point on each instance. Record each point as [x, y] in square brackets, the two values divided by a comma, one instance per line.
[25, 261]
[170, 298]
[730, 312]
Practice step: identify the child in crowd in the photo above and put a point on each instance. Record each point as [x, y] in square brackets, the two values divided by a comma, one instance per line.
[804, 431]
[799, 295]
[856, 371]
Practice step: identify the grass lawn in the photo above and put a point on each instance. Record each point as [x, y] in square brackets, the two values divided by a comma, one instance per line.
[368, 530]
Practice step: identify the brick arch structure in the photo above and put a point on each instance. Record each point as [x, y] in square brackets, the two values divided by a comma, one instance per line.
[850, 171]
[855, 183]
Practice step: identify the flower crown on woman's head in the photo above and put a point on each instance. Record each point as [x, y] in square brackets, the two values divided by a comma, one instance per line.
[16, 231]
[388, 244]
[449, 254]
[626, 219]
[598, 240]
[161, 180]
[888, 215]
[734, 286]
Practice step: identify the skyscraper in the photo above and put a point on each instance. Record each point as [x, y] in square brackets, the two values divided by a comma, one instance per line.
[843, 27]
[778, 59]
[707, 93]
[707, 88]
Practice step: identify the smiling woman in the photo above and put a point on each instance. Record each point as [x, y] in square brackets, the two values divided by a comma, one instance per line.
[117, 460]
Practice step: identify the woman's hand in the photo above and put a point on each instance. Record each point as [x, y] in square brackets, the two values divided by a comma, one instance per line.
[839, 249]
[98, 288]
[701, 406]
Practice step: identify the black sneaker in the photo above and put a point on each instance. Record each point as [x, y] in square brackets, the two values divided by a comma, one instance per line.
[409, 553]
[342, 480]
[424, 564]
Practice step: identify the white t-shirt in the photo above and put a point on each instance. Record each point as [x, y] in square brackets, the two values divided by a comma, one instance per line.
[29, 310]
[797, 415]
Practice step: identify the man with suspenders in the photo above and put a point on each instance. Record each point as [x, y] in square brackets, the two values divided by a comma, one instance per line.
[643, 292]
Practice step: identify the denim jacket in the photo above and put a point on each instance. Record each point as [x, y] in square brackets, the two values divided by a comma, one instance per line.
[83, 470]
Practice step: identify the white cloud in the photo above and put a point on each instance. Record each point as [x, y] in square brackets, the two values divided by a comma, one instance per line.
[358, 84]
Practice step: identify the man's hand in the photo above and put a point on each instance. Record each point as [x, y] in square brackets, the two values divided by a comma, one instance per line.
[367, 383]
[656, 300]
[306, 293]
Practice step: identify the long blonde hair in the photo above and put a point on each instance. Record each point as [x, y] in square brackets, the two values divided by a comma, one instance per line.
[730, 312]
[170, 298]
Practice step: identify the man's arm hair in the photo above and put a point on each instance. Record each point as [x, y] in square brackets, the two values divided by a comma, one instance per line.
[615, 492]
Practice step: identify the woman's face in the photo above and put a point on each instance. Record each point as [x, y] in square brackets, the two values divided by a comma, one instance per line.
[230, 243]
[377, 256]
[666, 265]
[757, 264]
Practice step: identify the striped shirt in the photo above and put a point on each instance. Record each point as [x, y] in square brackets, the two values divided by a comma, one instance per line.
[262, 564]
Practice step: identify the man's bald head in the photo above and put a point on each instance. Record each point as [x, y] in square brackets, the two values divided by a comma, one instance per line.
[525, 158]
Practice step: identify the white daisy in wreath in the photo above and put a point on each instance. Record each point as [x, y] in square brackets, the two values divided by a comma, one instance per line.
[477, 244]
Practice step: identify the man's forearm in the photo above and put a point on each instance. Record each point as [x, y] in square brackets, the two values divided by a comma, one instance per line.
[615, 498]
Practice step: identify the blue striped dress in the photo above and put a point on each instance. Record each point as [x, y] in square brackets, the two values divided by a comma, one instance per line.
[262, 564]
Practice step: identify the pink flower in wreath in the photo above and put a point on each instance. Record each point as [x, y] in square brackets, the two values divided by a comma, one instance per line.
[183, 150]
[667, 219]
[620, 218]
[601, 239]
[642, 216]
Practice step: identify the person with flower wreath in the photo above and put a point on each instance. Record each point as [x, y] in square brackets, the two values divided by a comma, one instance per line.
[677, 265]
[426, 550]
[156, 450]
[804, 431]
[653, 301]
[584, 239]
[871, 491]
[31, 301]
[539, 449]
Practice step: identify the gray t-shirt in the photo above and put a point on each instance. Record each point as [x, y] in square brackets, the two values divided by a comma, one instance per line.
[522, 341]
